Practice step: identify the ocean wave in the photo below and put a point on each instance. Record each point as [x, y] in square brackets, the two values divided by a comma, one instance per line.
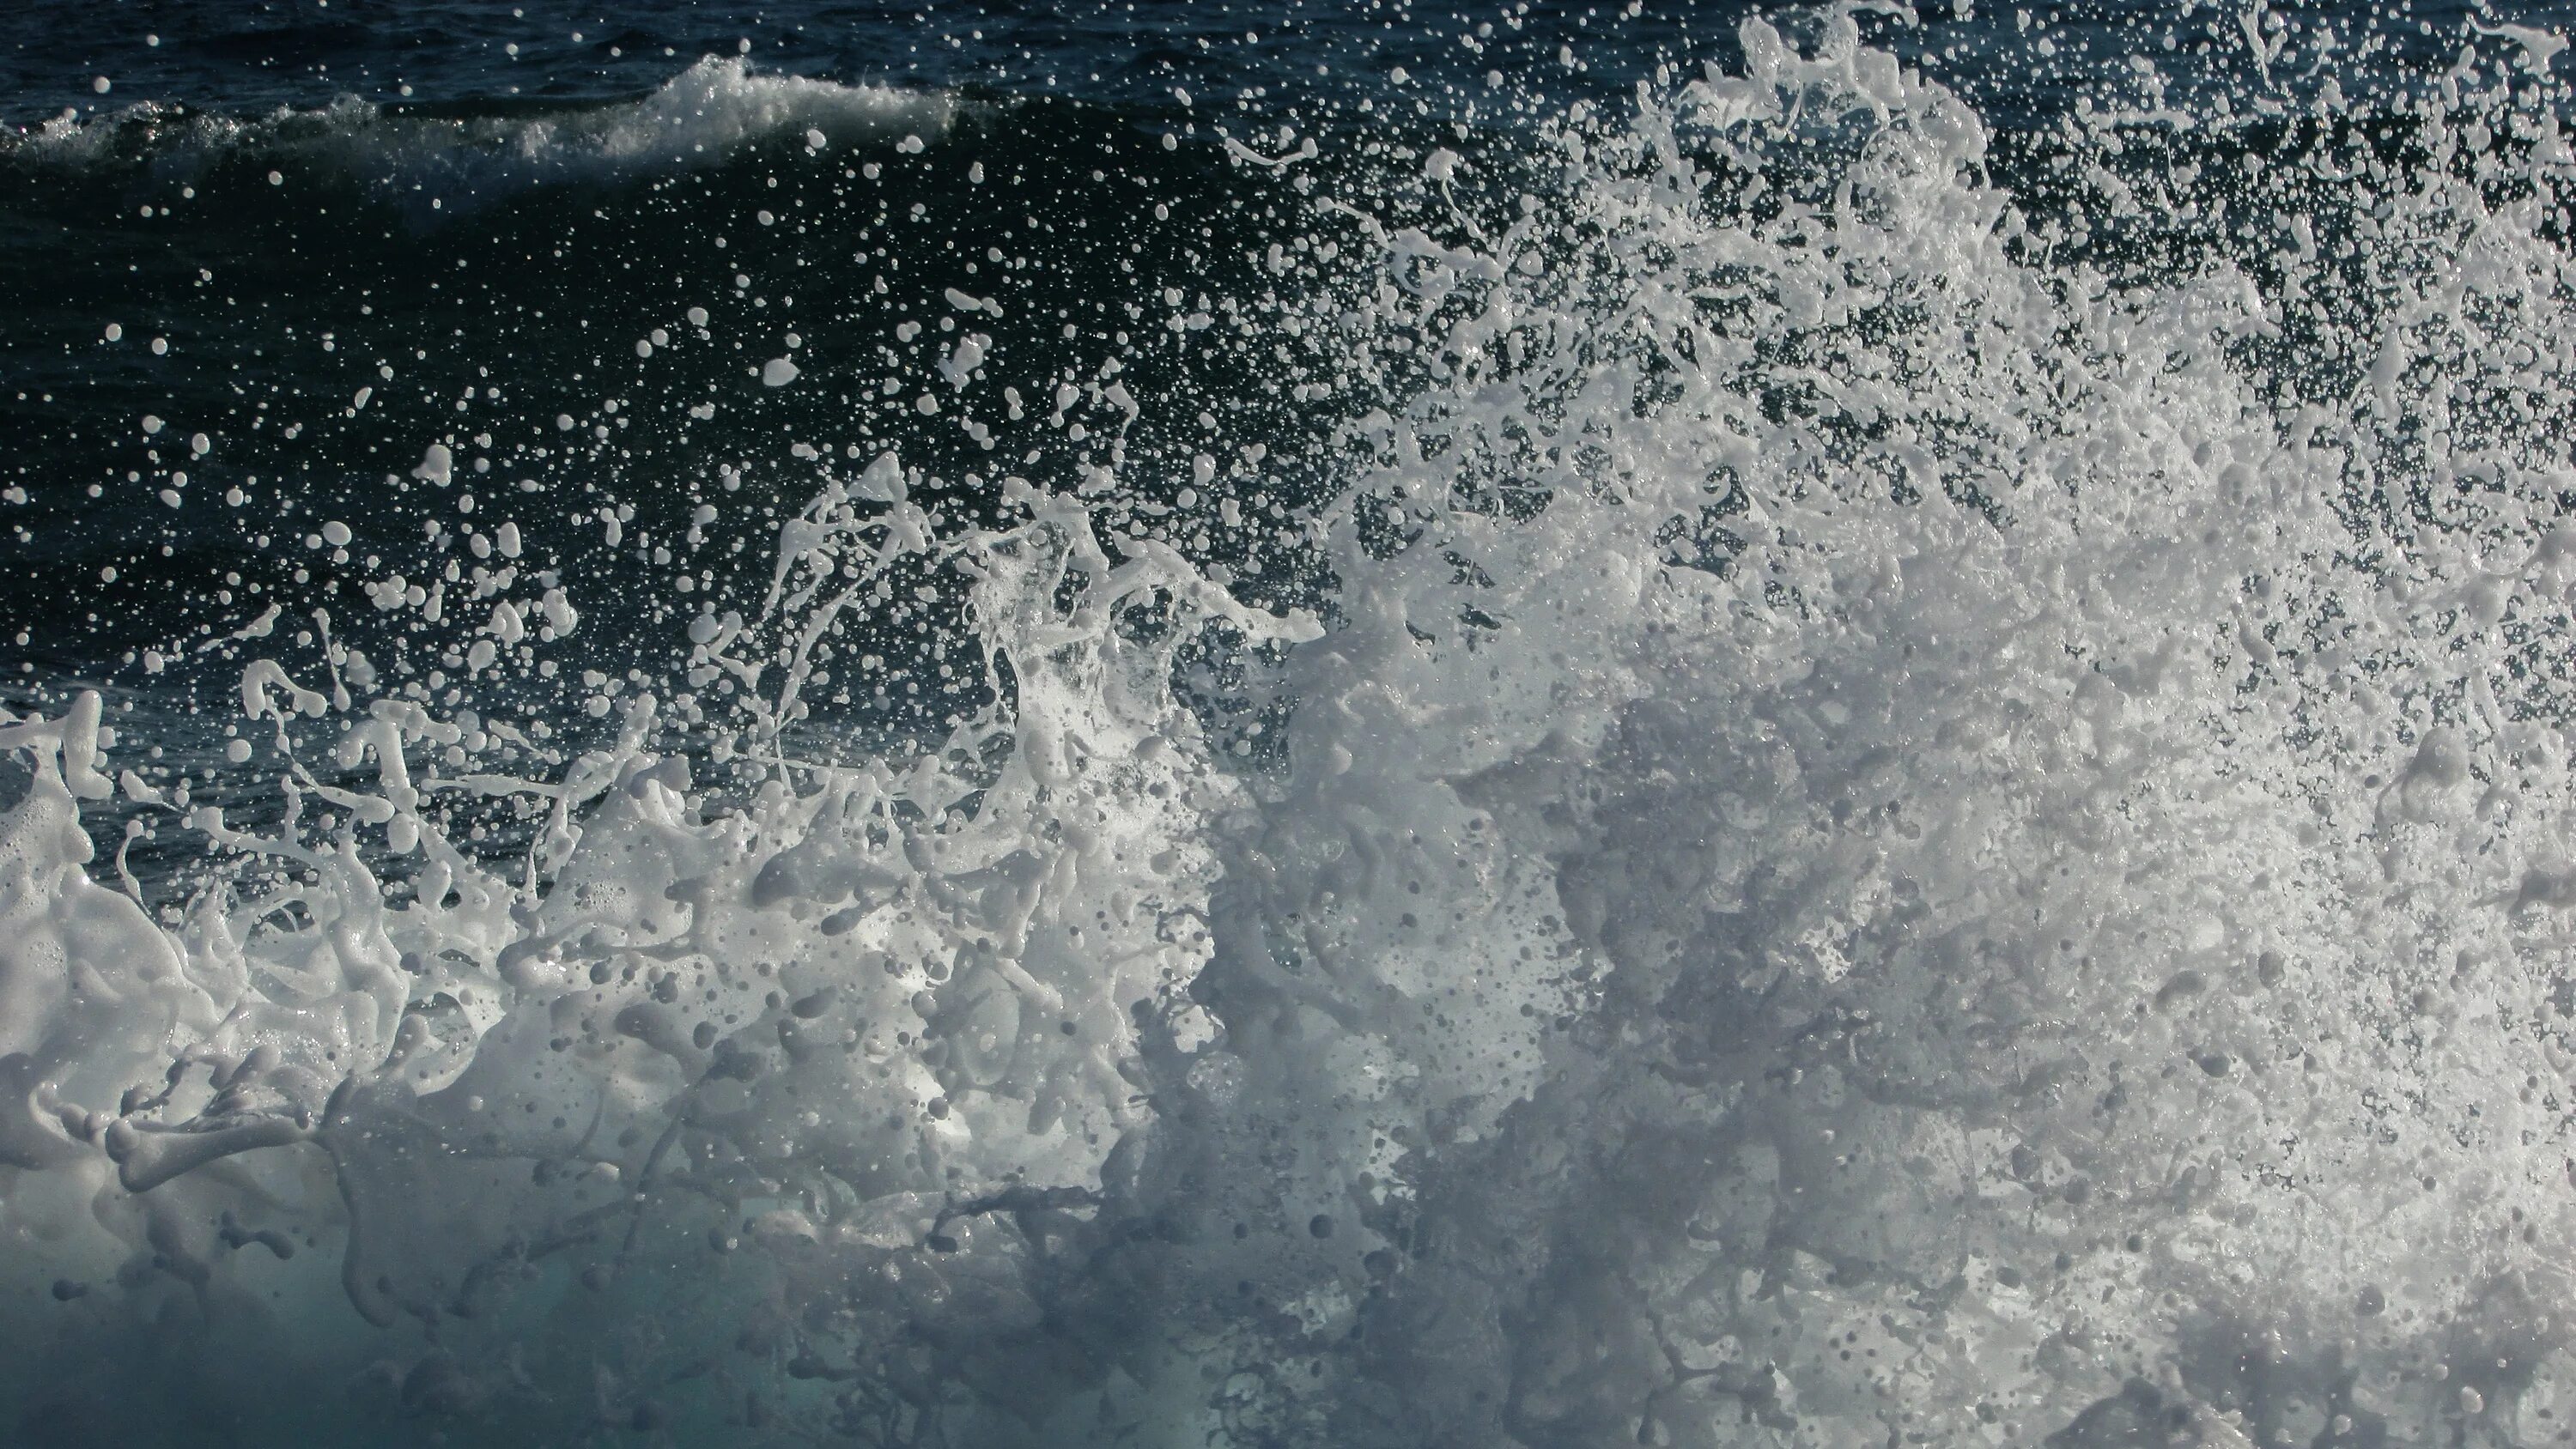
[1885, 835]
[699, 117]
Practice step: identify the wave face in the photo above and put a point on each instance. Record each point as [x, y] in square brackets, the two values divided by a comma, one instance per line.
[1757, 764]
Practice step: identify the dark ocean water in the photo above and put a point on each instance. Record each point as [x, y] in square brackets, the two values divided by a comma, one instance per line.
[273, 205]
[1192, 724]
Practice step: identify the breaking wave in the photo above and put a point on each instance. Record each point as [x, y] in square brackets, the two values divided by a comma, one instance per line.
[1872, 810]
[699, 118]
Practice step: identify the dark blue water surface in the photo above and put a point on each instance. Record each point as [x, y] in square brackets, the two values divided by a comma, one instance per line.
[409, 141]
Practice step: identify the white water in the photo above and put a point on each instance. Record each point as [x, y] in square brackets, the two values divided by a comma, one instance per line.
[1967, 857]
[698, 118]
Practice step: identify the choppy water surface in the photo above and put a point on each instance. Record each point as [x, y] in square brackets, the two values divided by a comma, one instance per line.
[1186, 726]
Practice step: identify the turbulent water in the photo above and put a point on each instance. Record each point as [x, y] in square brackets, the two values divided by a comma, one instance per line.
[1557, 727]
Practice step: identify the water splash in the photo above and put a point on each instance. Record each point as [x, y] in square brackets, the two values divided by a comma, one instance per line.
[1919, 808]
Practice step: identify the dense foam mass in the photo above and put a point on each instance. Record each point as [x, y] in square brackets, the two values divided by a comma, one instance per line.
[1901, 824]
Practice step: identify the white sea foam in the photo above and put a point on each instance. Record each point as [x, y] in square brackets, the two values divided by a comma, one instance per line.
[1882, 842]
[697, 118]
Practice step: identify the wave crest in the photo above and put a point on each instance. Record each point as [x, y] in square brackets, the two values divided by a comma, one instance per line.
[700, 117]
